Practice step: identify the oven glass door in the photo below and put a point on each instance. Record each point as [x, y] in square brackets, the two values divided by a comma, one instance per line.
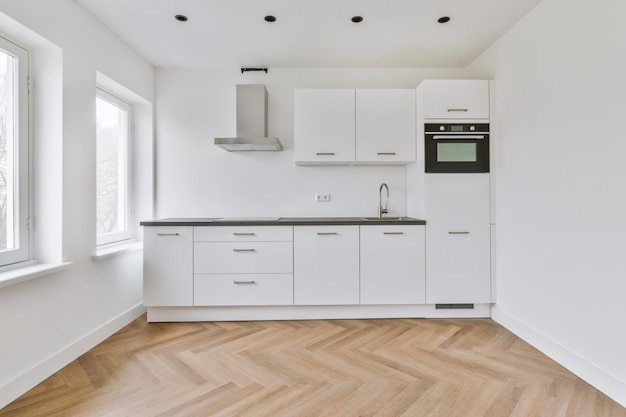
[462, 153]
[456, 152]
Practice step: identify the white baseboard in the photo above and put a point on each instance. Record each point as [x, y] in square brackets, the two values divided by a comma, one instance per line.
[53, 363]
[592, 374]
[328, 312]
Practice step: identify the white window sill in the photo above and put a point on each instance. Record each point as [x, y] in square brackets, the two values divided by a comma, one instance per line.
[25, 273]
[109, 251]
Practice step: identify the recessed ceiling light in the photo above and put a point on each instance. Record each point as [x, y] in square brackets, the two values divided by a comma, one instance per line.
[443, 19]
[357, 19]
[181, 18]
[270, 18]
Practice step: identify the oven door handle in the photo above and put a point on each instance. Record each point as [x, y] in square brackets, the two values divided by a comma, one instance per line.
[455, 137]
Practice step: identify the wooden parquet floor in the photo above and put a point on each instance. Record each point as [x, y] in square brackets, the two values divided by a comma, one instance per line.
[321, 368]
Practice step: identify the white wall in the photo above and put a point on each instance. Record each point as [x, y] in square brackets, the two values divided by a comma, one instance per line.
[48, 321]
[560, 104]
[198, 179]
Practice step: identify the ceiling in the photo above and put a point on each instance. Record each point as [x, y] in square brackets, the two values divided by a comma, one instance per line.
[310, 33]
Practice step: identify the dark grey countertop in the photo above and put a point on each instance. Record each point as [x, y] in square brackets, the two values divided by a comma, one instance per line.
[285, 221]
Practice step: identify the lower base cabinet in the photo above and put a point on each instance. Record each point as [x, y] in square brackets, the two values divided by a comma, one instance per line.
[168, 266]
[392, 265]
[326, 265]
[368, 270]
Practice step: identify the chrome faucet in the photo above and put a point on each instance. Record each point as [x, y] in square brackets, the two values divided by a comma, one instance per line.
[382, 210]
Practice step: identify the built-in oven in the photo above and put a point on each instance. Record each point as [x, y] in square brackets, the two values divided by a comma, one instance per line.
[456, 147]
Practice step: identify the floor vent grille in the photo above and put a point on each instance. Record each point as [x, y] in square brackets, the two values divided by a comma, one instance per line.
[454, 306]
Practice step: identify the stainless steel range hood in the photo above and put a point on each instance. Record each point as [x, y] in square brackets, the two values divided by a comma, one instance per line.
[251, 122]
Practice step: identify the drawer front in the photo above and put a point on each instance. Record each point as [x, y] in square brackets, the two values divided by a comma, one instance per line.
[243, 289]
[243, 257]
[243, 233]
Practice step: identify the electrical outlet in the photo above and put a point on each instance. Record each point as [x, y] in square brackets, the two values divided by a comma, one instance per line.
[322, 198]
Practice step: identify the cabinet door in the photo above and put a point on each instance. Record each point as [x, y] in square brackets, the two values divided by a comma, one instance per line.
[385, 126]
[167, 266]
[456, 99]
[324, 131]
[458, 250]
[326, 265]
[392, 265]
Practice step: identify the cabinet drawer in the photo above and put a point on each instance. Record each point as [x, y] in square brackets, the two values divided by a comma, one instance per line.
[243, 233]
[243, 257]
[243, 289]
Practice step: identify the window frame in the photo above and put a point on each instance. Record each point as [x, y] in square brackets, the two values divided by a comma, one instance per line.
[128, 233]
[22, 185]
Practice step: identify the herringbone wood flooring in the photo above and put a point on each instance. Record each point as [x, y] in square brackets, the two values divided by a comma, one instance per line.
[325, 368]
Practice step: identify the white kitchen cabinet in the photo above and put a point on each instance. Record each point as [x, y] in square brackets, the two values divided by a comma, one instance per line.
[385, 126]
[243, 234]
[455, 99]
[168, 262]
[458, 250]
[392, 264]
[243, 265]
[343, 127]
[326, 265]
[324, 130]
[243, 257]
[243, 289]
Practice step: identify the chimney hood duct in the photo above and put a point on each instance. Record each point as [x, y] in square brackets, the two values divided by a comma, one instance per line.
[251, 122]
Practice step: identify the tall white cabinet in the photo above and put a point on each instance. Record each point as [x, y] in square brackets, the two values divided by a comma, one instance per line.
[458, 250]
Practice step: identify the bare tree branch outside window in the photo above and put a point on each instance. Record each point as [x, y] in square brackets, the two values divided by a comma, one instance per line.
[111, 167]
[6, 176]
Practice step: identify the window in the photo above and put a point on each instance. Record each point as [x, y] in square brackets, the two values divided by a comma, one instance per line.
[14, 156]
[113, 176]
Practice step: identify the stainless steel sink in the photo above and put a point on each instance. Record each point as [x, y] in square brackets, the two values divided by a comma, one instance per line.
[392, 219]
[245, 219]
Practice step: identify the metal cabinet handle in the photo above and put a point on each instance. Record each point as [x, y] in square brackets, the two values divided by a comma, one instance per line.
[168, 234]
[393, 233]
[244, 282]
[325, 153]
[459, 233]
[243, 234]
[461, 110]
[243, 250]
[327, 233]
[386, 153]
[455, 137]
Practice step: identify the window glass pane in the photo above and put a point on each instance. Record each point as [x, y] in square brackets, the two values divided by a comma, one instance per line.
[456, 152]
[8, 110]
[112, 167]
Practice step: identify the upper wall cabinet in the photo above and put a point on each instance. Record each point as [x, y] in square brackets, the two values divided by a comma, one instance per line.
[324, 130]
[455, 99]
[368, 127]
[385, 126]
